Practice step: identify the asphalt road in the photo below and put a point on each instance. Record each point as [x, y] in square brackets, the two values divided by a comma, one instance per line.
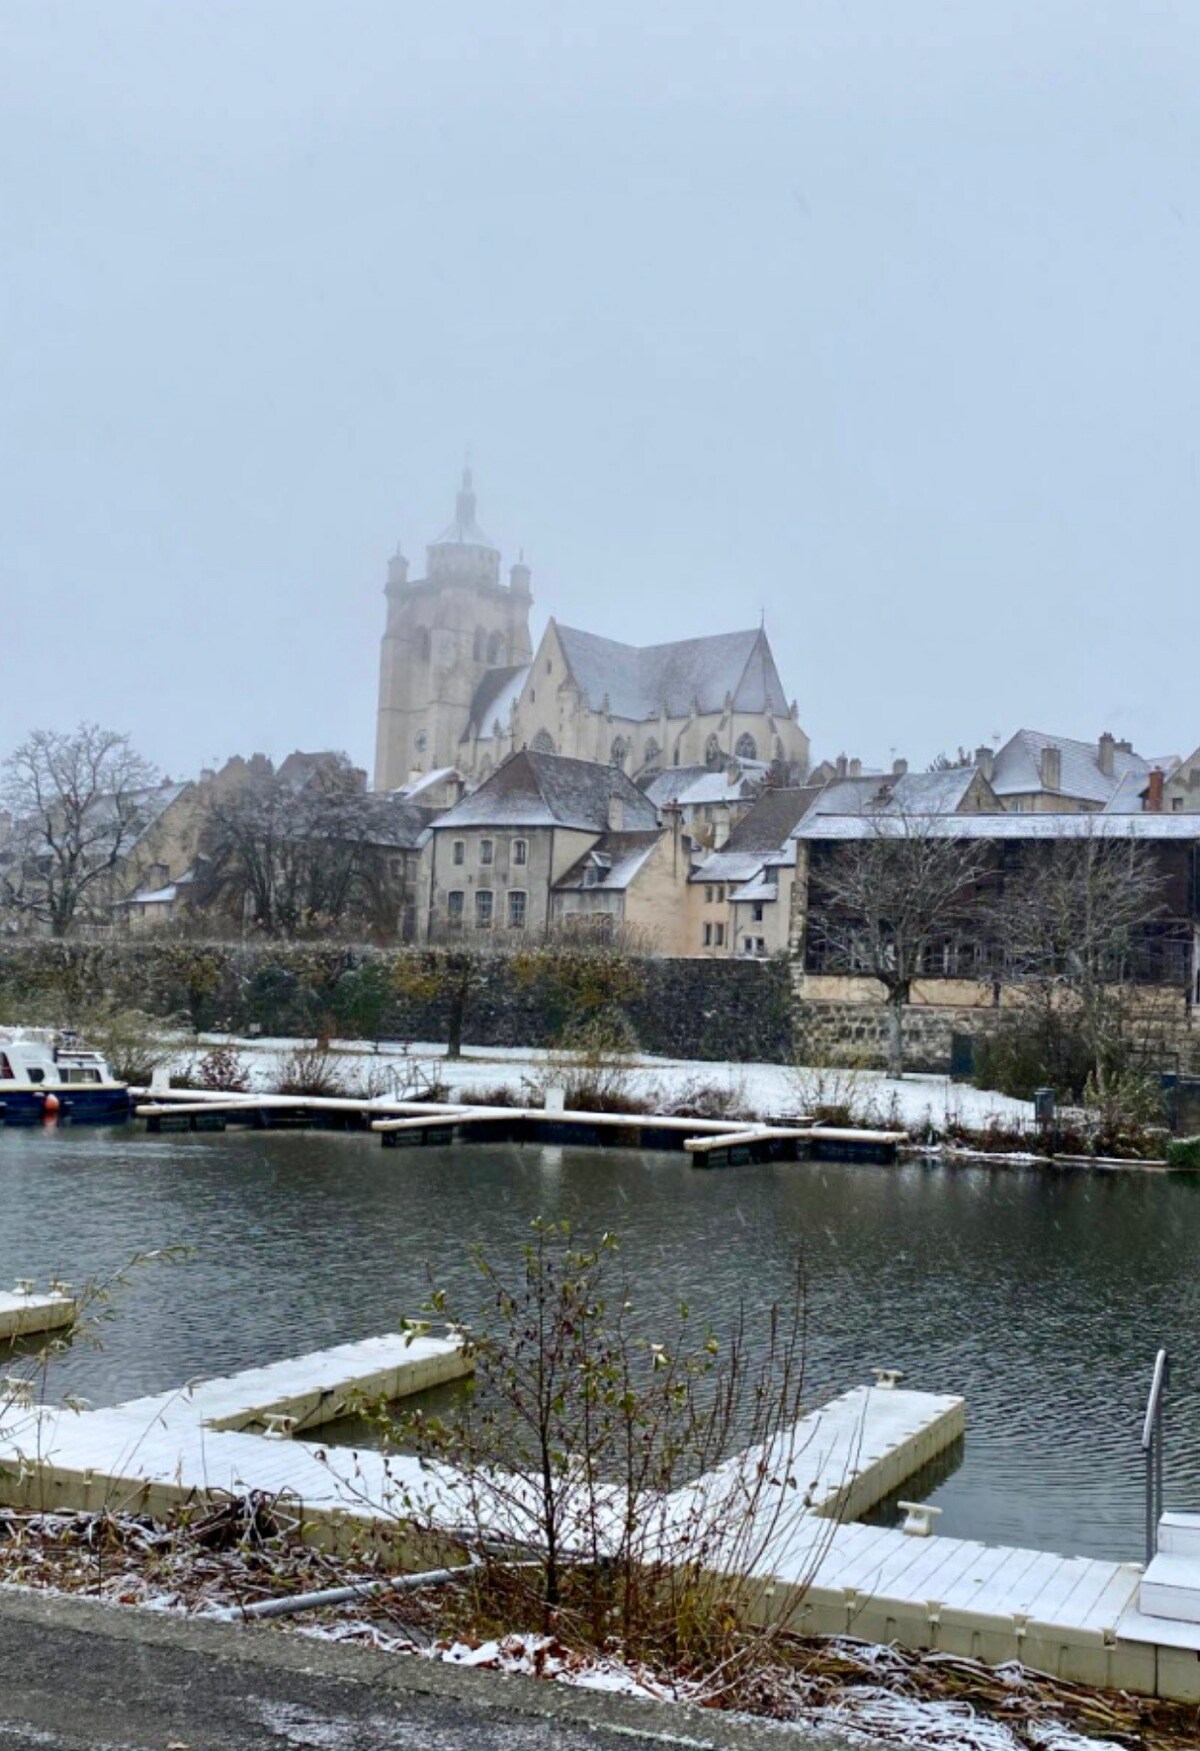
[76, 1676]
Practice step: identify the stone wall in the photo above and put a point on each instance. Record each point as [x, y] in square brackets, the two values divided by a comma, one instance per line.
[856, 1033]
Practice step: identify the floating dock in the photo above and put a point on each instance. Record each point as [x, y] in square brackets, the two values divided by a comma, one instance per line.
[1094, 1622]
[424, 1124]
[24, 1313]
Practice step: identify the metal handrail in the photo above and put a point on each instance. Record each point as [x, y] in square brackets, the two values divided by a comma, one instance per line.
[1152, 1448]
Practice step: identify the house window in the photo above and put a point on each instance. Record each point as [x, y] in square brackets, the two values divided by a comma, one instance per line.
[748, 945]
[720, 896]
[757, 913]
[760, 945]
[708, 936]
[520, 851]
[454, 908]
[516, 909]
[487, 850]
[708, 894]
[483, 909]
[719, 936]
[459, 854]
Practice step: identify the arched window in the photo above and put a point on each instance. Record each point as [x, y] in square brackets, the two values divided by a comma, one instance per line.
[495, 649]
[652, 753]
[747, 747]
[619, 752]
[478, 644]
[712, 752]
[543, 743]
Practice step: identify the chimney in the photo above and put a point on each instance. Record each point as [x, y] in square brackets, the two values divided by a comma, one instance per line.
[1104, 754]
[899, 768]
[841, 765]
[616, 813]
[856, 768]
[1051, 768]
[1154, 792]
[985, 761]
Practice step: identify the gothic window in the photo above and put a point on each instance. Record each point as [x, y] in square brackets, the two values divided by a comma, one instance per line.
[619, 752]
[653, 753]
[479, 644]
[495, 649]
[543, 742]
[747, 747]
[712, 753]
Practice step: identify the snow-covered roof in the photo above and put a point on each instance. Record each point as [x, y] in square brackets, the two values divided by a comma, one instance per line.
[729, 866]
[1017, 769]
[612, 862]
[425, 781]
[758, 891]
[640, 681]
[1005, 826]
[906, 793]
[767, 824]
[494, 698]
[550, 790]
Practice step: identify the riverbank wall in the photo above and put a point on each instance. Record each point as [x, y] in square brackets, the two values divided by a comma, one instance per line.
[739, 1011]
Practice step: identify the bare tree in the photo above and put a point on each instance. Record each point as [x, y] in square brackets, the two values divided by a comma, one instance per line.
[300, 857]
[1075, 923]
[79, 802]
[881, 904]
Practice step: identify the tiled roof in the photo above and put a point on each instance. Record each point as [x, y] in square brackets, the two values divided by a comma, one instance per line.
[395, 822]
[908, 793]
[495, 696]
[639, 681]
[770, 820]
[619, 856]
[1018, 772]
[550, 790]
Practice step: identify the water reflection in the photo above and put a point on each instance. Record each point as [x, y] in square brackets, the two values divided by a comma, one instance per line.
[1041, 1297]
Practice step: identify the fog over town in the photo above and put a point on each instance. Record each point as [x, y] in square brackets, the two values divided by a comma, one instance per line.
[877, 325]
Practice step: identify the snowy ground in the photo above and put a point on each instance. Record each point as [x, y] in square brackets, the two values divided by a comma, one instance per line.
[762, 1089]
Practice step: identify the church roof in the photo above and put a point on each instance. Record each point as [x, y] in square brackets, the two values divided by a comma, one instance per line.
[638, 681]
[494, 698]
[462, 530]
[551, 790]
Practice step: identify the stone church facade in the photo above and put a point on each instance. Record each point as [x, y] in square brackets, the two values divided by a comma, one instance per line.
[461, 685]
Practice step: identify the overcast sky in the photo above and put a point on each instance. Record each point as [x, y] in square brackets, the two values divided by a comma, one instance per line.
[878, 318]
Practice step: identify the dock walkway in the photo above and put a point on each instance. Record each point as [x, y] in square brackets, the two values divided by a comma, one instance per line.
[24, 1312]
[1075, 1616]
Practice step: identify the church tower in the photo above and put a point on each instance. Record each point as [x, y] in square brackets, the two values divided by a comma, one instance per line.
[444, 631]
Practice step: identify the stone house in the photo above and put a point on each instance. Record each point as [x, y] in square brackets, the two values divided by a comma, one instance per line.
[1035, 773]
[631, 881]
[493, 861]
[739, 897]
[461, 684]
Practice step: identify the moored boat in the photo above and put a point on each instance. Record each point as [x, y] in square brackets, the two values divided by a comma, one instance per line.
[45, 1074]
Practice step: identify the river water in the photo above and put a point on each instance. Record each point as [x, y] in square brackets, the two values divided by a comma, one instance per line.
[1041, 1297]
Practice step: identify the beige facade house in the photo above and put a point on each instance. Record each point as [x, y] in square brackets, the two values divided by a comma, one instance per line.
[740, 897]
[494, 860]
[461, 685]
[1180, 788]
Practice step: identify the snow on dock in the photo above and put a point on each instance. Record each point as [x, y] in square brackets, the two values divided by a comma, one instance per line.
[25, 1312]
[1084, 1619]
